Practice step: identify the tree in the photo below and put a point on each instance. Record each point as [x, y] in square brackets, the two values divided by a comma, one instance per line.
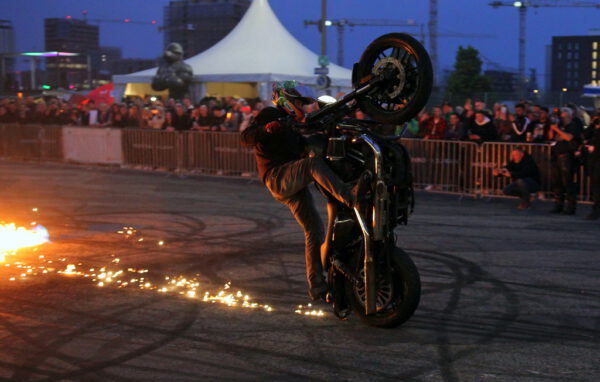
[466, 79]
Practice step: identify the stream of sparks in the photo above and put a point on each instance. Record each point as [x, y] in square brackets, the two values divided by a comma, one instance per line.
[13, 238]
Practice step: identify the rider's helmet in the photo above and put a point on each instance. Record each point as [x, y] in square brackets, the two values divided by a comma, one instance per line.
[290, 96]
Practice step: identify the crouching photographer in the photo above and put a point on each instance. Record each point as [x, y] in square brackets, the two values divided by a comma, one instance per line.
[525, 177]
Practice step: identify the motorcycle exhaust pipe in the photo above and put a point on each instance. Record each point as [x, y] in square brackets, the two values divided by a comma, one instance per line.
[369, 267]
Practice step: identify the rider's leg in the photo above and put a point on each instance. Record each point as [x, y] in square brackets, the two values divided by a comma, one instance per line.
[289, 178]
[303, 208]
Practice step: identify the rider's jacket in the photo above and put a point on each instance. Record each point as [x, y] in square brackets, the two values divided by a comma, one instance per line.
[273, 146]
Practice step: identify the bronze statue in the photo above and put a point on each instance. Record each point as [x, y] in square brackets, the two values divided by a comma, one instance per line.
[173, 74]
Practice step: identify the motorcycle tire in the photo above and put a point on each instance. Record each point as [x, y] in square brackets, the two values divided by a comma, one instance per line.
[406, 292]
[408, 93]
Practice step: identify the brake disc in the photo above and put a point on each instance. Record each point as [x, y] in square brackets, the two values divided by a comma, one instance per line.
[391, 63]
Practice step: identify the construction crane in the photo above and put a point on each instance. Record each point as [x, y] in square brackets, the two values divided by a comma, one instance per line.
[341, 25]
[84, 16]
[433, 36]
[522, 7]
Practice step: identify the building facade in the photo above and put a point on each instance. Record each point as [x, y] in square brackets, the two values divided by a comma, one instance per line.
[574, 63]
[75, 36]
[199, 24]
[7, 63]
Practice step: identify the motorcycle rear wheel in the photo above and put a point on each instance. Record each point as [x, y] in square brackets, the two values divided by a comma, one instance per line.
[408, 92]
[396, 302]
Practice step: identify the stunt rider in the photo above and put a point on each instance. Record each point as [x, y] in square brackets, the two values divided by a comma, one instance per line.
[286, 170]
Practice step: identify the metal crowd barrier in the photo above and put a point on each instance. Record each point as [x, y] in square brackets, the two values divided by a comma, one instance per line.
[36, 142]
[441, 166]
[154, 149]
[219, 153]
[466, 168]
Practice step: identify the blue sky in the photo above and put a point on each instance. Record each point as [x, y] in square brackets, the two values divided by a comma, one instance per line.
[455, 16]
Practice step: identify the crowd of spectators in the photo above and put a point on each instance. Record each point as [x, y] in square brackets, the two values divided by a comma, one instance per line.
[211, 114]
[474, 121]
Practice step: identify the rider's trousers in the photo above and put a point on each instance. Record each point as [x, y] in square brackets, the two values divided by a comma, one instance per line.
[287, 183]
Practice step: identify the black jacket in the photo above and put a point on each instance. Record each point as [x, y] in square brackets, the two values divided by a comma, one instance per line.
[526, 168]
[276, 148]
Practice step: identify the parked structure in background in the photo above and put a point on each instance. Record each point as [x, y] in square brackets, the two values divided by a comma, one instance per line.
[502, 81]
[199, 24]
[70, 35]
[7, 46]
[575, 62]
[522, 6]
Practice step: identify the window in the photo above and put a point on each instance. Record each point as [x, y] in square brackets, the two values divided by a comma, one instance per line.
[594, 64]
[594, 55]
[595, 45]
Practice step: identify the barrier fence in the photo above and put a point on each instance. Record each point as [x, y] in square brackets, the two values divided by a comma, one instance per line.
[463, 168]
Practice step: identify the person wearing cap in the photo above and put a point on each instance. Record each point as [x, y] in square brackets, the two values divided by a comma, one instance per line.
[286, 170]
[566, 139]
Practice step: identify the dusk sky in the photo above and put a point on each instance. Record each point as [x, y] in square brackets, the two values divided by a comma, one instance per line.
[455, 16]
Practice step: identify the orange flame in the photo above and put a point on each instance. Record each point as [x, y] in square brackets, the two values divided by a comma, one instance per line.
[13, 238]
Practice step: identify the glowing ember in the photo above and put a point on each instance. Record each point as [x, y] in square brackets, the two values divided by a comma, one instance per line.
[119, 276]
[308, 310]
[13, 238]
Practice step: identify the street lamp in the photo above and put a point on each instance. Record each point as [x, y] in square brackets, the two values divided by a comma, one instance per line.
[562, 91]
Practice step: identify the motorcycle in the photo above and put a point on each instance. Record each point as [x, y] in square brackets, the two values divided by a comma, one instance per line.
[366, 271]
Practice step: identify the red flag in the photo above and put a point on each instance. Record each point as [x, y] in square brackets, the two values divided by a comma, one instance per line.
[103, 94]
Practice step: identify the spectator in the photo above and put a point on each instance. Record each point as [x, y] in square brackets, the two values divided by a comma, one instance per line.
[104, 116]
[168, 124]
[72, 118]
[423, 120]
[540, 127]
[455, 130]
[520, 124]
[133, 116]
[200, 119]
[525, 177]
[181, 120]
[435, 127]
[157, 118]
[12, 115]
[217, 120]
[91, 114]
[246, 117]
[39, 115]
[503, 124]
[447, 111]
[481, 106]
[468, 115]
[482, 130]
[567, 138]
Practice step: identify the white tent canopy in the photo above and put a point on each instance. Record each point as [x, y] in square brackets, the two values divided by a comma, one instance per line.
[259, 49]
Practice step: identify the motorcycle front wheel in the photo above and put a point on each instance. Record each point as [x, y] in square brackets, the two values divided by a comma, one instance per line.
[398, 294]
[408, 91]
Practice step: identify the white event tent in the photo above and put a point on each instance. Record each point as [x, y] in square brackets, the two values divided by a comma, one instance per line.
[256, 52]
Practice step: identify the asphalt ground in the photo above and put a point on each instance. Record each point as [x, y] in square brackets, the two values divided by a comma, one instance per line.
[507, 295]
